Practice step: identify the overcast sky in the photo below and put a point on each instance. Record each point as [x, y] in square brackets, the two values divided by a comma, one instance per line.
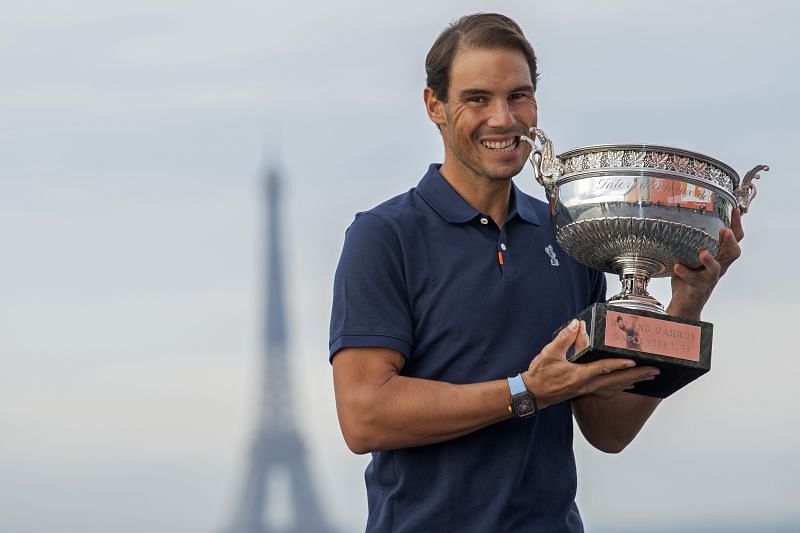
[133, 142]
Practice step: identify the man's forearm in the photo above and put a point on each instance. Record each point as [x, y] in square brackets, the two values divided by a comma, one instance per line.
[380, 409]
[610, 424]
[407, 412]
[675, 309]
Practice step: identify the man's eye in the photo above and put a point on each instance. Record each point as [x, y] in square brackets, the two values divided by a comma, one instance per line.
[518, 96]
[476, 99]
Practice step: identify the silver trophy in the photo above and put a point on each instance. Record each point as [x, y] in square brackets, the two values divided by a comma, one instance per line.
[635, 210]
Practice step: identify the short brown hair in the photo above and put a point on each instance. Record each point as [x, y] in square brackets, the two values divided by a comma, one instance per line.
[481, 30]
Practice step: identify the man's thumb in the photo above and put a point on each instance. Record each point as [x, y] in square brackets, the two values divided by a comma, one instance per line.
[565, 338]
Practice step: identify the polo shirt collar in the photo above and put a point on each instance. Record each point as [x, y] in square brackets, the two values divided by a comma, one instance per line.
[524, 206]
[444, 199]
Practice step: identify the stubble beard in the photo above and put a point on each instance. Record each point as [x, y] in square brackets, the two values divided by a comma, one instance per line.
[477, 171]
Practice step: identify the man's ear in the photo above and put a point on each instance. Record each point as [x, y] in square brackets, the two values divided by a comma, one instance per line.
[434, 107]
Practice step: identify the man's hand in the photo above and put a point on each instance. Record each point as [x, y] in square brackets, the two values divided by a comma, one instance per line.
[692, 288]
[553, 379]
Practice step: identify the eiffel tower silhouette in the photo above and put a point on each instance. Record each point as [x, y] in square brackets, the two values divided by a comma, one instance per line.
[278, 447]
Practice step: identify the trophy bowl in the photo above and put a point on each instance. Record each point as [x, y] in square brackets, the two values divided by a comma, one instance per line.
[635, 210]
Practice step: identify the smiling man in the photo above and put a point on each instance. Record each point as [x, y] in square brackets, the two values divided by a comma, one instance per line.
[445, 300]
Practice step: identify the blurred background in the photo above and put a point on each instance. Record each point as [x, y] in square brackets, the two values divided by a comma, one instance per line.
[134, 142]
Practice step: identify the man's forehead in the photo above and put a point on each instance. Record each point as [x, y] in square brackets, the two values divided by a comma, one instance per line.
[479, 65]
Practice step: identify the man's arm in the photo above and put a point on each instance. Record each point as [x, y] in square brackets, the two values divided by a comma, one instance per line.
[381, 409]
[611, 421]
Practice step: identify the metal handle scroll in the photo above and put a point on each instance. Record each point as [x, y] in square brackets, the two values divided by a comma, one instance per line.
[546, 165]
[746, 191]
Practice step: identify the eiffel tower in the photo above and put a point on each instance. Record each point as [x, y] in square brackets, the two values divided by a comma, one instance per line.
[277, 447]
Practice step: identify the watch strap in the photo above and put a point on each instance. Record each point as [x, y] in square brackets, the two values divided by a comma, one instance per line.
[517, 385]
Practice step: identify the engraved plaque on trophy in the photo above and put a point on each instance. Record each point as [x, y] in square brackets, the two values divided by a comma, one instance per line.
[636, 210]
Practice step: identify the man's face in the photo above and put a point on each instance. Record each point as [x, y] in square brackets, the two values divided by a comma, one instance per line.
[490, 104]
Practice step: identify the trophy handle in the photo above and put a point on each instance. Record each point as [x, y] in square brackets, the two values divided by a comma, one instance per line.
[547, 167]
[746, 191]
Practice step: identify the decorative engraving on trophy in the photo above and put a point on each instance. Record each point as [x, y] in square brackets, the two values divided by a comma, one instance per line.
[652, 335]
[660, 161]
[602, 238]
[681, 164]
[593, 160]
[648, 159]
[637, 159]
[719, 177]
[699, 168]
[614, 158]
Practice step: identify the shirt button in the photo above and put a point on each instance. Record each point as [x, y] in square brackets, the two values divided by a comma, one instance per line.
[503, 246]
[484, 220]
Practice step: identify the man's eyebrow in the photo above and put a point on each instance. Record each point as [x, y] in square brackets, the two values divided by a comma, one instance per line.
[466, 93]
[523, 89]
[474, 92]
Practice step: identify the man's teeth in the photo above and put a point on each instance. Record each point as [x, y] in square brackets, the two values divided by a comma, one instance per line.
[504, 146]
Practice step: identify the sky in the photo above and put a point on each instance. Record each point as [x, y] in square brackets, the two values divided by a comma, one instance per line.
[134, 139]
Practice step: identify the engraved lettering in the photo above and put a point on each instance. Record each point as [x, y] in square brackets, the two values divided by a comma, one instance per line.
[679, 190]
[662, 337]
[613, 183]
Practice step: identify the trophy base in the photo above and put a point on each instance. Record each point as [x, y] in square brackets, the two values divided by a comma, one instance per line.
[680, 348]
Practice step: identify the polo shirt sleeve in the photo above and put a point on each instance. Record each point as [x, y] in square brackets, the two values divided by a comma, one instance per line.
[370, 301]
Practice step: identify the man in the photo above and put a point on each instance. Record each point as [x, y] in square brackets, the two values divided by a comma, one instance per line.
[444, 292]
[632, 339]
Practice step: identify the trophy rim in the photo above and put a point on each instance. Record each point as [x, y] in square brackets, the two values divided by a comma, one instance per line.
[644, 147]
[636, 172]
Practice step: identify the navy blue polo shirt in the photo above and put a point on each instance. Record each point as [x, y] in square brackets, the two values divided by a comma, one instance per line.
[464, 301]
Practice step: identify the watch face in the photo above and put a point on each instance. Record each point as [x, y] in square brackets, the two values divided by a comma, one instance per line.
[523, 405]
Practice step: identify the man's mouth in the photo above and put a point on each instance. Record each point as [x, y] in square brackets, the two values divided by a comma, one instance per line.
[502, 145]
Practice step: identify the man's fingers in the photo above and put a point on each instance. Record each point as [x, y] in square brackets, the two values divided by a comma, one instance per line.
[583, 338]
[684, 272]
[736, 225]
[712, 266]
[711, 271]
[729, 250]
[607, 366]
[623, 380]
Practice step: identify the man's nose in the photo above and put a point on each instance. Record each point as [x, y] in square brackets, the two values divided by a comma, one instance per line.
[501, 116]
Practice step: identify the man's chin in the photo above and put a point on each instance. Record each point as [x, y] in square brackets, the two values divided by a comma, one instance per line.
[504, 174]
[499, 177]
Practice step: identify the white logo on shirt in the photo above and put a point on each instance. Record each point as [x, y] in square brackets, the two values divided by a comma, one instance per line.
[552, 254]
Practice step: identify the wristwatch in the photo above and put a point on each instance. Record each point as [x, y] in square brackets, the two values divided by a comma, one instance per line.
[523, 402]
